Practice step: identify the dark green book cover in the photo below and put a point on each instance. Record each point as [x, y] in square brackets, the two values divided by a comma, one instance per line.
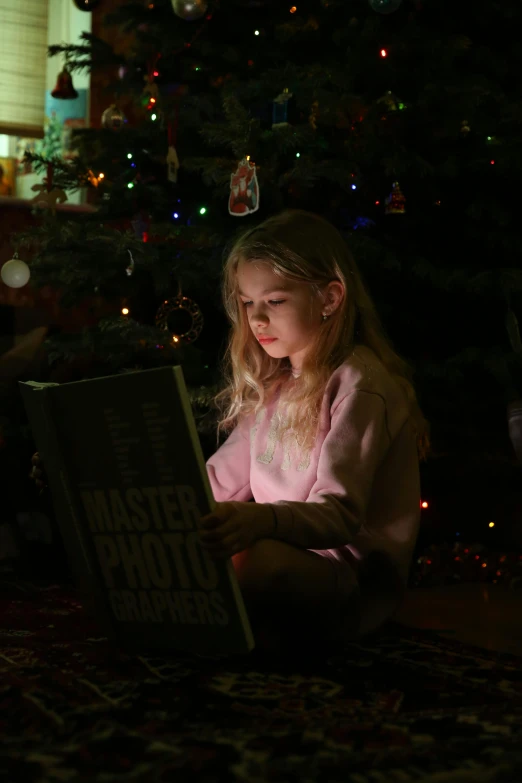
[129, 485]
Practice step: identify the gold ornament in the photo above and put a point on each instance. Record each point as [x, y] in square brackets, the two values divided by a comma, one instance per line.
[314, 113]
[172, 161]
[180, 302]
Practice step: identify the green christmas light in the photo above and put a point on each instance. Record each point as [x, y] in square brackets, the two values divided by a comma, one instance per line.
[130, 185]
[203, 211]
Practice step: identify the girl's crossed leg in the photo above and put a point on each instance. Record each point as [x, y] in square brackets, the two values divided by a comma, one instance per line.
[296, 595]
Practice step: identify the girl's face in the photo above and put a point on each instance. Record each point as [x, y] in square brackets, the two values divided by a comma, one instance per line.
[282, 309]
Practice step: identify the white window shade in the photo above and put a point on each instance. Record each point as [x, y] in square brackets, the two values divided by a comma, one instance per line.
[23, 66]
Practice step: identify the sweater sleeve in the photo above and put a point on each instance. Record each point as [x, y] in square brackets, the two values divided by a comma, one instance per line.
[229, 467]
[336, 507]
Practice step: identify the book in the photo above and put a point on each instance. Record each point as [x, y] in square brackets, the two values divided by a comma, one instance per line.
[129, 485]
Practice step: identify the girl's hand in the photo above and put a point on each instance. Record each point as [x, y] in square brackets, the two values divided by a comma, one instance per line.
[37, 473]
[234, 526]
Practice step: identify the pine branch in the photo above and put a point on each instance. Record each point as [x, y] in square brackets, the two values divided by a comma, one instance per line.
[95, 53]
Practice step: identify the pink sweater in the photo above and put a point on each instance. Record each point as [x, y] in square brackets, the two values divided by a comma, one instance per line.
[360, 489]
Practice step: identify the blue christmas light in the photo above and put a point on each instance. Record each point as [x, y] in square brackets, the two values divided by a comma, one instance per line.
[354, 187]
[175, 215]
[362, 222]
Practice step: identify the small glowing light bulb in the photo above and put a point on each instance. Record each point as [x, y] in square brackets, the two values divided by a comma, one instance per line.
[354, 187]
[297, 154]
[491, 524]
[384, 53]
[130, 185]
[203, 211]
[424, 504]
[129, 155]
[153, 117]
[124, 310]
[256, 32]
[101, 176]
[293, 9]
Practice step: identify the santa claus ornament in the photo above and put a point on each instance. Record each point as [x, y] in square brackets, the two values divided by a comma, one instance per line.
[244, 189]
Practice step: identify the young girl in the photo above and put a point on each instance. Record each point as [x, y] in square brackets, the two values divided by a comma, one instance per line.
[326, 438]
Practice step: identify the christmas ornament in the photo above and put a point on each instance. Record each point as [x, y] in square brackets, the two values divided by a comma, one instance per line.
[46, 199]
[314, 114]
[189, 10]
[384, 6]
[141, 225]
[86, 5]
[150, 93]
[130, 269]
[173, 307]
[15, 273]
[64, 87]
[395, 204]
[280, 109]
[244, 189]
[392, 103]
[113, 118]
[172, 165]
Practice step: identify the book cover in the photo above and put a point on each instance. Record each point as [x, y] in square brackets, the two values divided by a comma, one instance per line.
[129, 485]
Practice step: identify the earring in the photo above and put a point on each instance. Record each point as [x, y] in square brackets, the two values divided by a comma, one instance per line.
[324, 316]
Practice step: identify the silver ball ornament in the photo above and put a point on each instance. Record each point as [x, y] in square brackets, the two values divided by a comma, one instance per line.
[189, 10]
[113, 118]
[15, 273]
[384, 6]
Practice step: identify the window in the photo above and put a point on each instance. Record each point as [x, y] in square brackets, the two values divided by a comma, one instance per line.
[23, 66]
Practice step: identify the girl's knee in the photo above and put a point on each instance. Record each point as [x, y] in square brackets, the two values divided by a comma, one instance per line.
[258, 568]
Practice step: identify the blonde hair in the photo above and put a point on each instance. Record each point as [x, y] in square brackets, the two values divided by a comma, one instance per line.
[302, 246]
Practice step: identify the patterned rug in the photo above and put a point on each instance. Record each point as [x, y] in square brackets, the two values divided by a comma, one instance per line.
[406, 706]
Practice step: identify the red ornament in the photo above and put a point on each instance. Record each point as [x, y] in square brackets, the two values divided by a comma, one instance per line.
[64, 86]
[244, 190]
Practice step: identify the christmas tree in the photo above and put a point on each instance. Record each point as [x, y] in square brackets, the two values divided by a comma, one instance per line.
[399, 121]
